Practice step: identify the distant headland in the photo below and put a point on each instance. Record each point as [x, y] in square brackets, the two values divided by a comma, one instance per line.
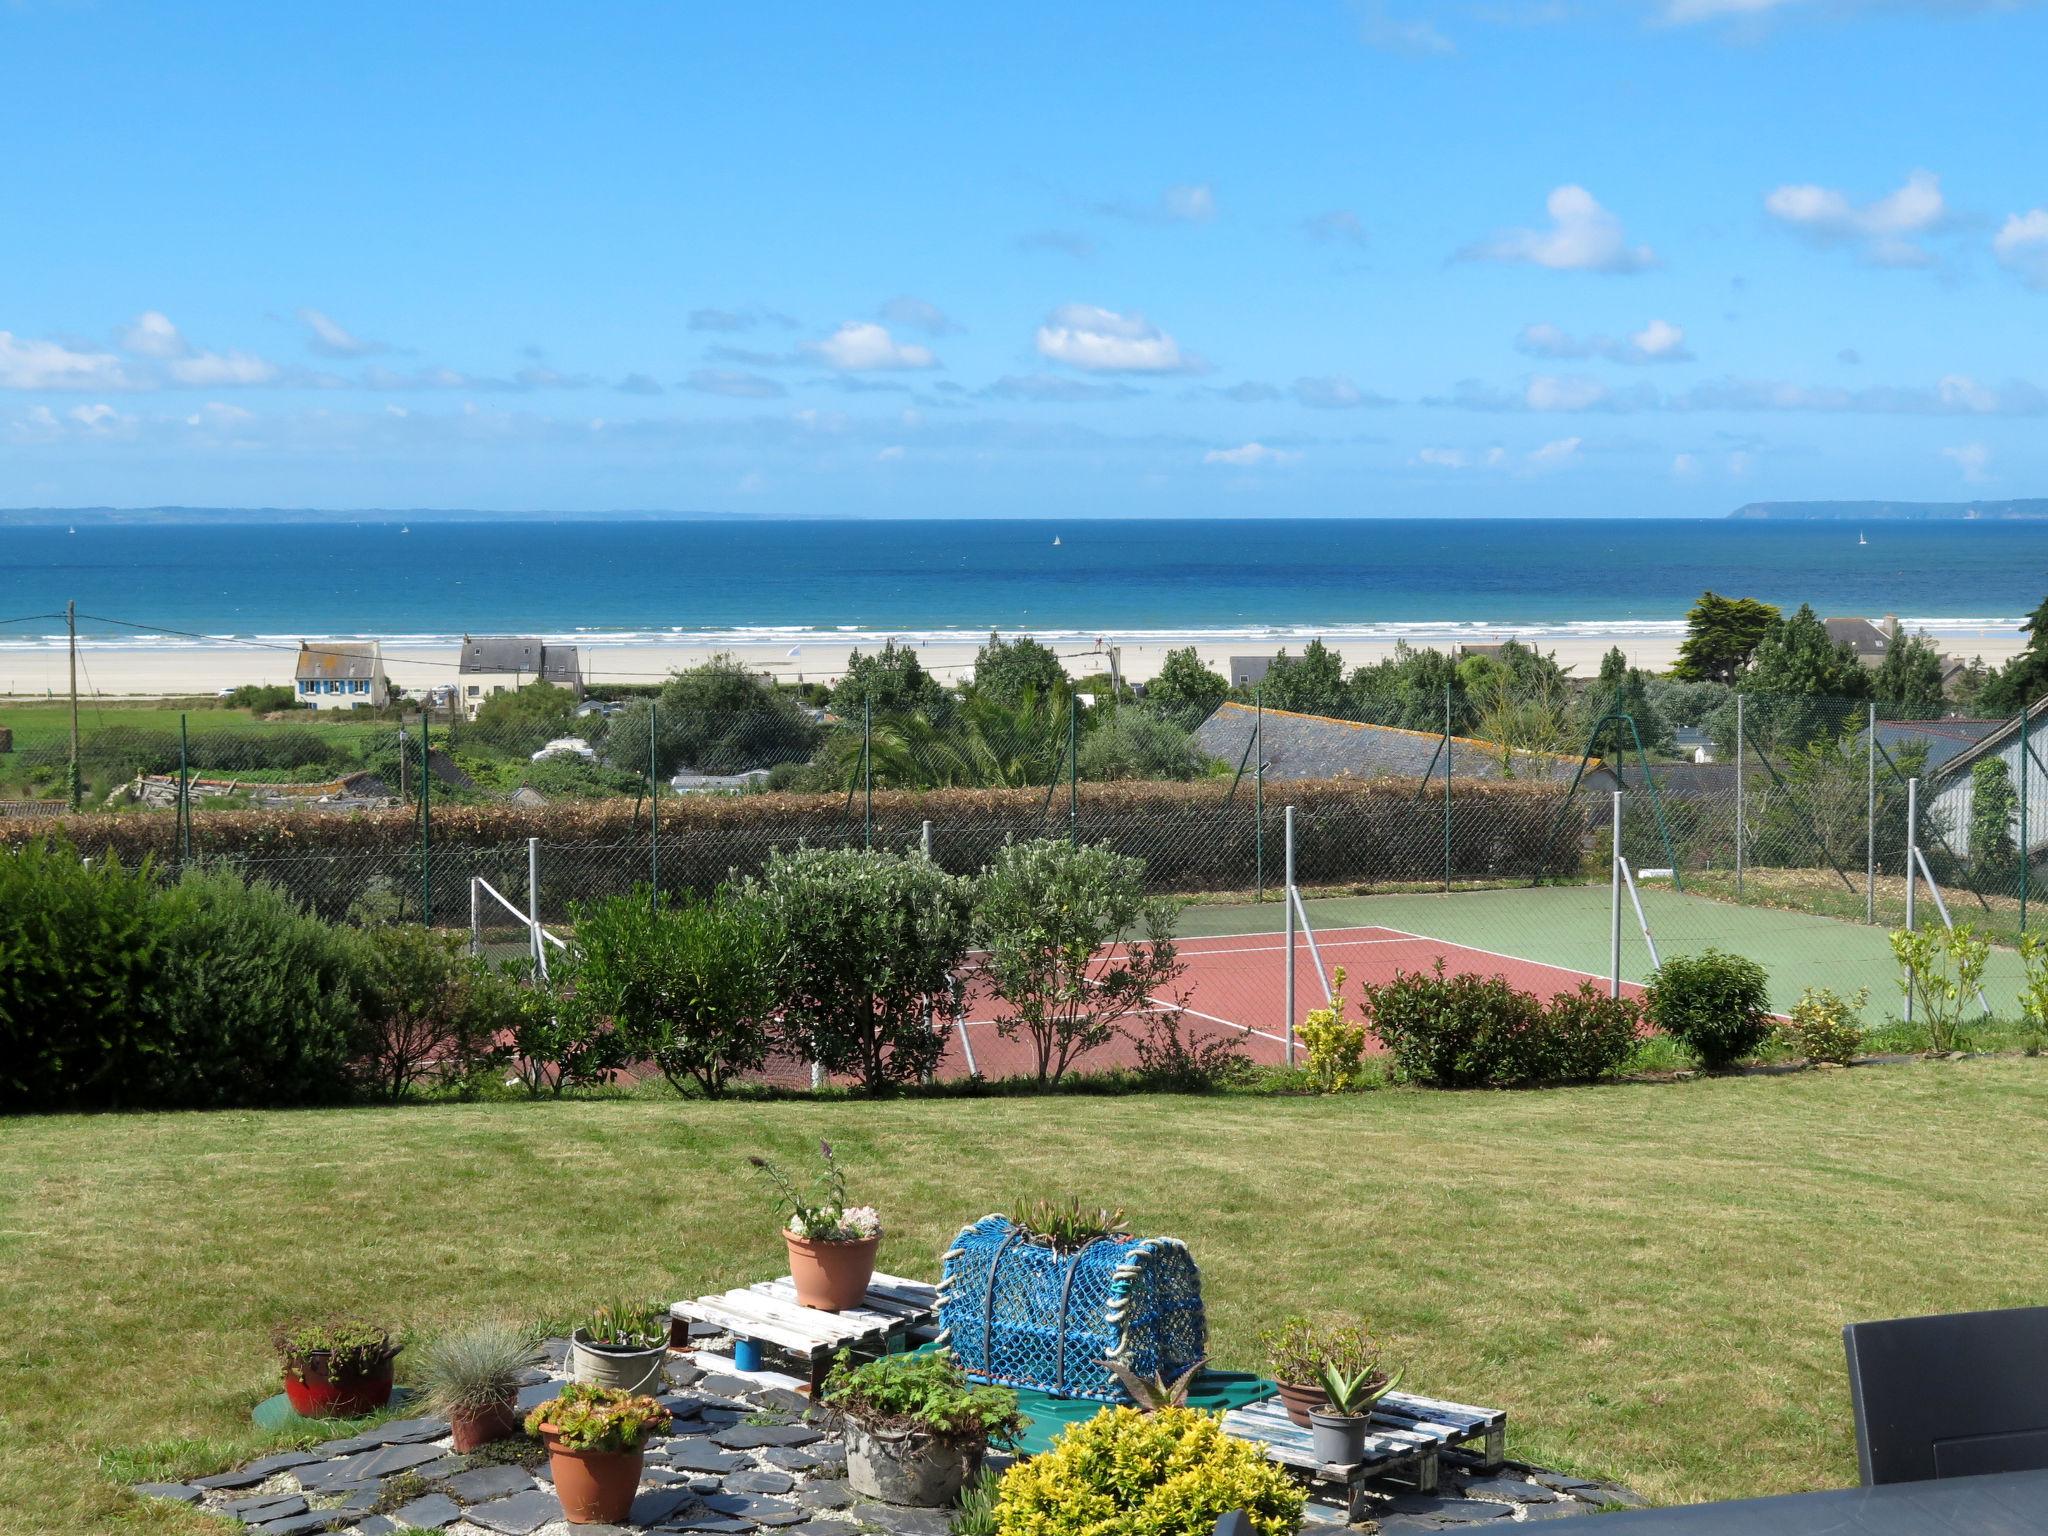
[2030, 509]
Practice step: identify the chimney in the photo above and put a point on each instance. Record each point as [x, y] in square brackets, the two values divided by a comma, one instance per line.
[1890, 625]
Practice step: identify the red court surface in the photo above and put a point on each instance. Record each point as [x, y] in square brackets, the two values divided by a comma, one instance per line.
[1235, 985]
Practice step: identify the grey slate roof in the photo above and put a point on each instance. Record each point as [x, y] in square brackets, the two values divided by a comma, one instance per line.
[335, 662]
[1861, 636]
[1944, 738]
[515, 653]
[1319, 747]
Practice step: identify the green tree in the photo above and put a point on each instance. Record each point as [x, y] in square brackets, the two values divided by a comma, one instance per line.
[1011, 669]
[688, 986]
[890, 682]
[523, 719]
[1310, 684]
[2023, 679]
[1408, 689]
[1046, 918]
[1966, 690]
[1185, 686]
[1625, 690]
[1134, 741]
[715, 718]
[429, 1012]
[1801, 684]
[869, 947]
[1720, 635]
[1994, 805]
[1907, 683]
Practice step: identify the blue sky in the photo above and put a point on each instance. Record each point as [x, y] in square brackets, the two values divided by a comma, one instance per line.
[1513, 257]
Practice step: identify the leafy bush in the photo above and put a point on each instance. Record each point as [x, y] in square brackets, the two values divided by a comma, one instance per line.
[1335, 1045]
[1301, 1349]
[255, 1005]
[1178, 1056]
[1824, 1025]
[429, 1012]
[868, 951]
[1140, 743]
[79, 961]
[1716, 1005]
[1944, 968]
[1467, 1031]
[689, 987]
[263, 698]
[924, 1393]
[1046, 914]
[1170, 1473]
[560, 1038]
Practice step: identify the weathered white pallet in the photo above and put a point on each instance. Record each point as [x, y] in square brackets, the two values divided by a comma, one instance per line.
[767, 1313]
[1390, 1450]
[1456, 1423]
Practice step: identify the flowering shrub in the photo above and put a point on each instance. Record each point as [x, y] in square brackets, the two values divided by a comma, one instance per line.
[1170, 1473]
[823, 1217]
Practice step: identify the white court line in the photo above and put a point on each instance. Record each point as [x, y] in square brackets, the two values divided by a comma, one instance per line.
[1163, 1007]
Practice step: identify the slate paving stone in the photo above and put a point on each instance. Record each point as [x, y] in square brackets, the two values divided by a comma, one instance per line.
[327, 1450]
[447, 1466]
[783, 1400]
[407, 1431]
[680, 1373]
[181, 1493]
[486, 1483]
[704, 1458]
[790, 1459]
[1556, 1511]
[281, 1461]
[825, 1494]
[1501, 1486]
[240, 1477]
[762, 1511]
[663, 1477]
[367, 1467]
[905, 1522]
[540, 1392]
[1607, 1493]
[705, 1520]
[759, 1482]
[376, 1525]
[273, 1506]
[727, 1386]
[429, 1513]
[747, 1437]
[520, 1515]
[658, 1504]
[825, 1528]
[1453, 1511]
[299, 1525]
[1561, 1482]
[555, 1351]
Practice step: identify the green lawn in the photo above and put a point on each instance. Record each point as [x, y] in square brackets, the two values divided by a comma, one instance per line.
[1651, 1279]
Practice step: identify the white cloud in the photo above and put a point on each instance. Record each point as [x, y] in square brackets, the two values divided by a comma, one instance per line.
[1973, 459]
[1886, 230]
[1187, 203]
[861, 346]
[734, 384]
[1379, 28]
[100, 418]
[1582, 237]
[1249, 455]
[919, 315]
[1055, 389]
[216, 413]
[1334, 392]
[2021, 246]
[1555, 392]
[208, 370]
[1554, 455]
[890, 454]
[1684, 466]
[151, 334]
[26, 363]
[1657, 342]
[1687, 12]
[330, 339]
[1103, 341]
[1458, 458]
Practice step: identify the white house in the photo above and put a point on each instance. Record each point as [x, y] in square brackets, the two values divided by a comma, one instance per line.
[1948, 794]
[342, 674]
[505, 663]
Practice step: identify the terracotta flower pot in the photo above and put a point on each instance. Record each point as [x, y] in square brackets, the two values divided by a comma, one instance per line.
[831, 1276]
[483, 1425]
[1300, 1399]
[595, 1487]
[314, 1395]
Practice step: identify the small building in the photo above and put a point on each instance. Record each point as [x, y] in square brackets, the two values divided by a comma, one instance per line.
[1249, 671]
[493, 664]
[1949, 793]
[1869, 641]
[342, 674]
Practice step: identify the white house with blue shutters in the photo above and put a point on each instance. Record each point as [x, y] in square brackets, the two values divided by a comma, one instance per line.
[341, 674]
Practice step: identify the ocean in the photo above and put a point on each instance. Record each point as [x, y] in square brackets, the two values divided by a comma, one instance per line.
[740, 581]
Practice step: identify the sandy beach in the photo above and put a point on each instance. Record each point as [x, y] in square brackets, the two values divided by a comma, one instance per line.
[166, 670]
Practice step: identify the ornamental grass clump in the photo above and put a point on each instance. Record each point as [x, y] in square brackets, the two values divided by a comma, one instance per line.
[1067, 1226]
[475, 1369]
[1170, 1473]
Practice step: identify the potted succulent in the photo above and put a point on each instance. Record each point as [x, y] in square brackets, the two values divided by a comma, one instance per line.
[831, 1244]
[1301, 1350]
[1338, 1428]
[472, 1378]
[338, 1369]
[596, 1439]
[620, 1345]
[915, 1427]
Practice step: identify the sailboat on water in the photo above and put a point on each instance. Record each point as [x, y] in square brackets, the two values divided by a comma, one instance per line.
[1860, 540]
[1055, 541]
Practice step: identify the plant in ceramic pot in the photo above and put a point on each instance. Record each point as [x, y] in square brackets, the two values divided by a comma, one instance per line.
[1338, 1428]
[340, 1368]
[915, 1427]
[620, 1345]
[831, 1244]
[596, 1439]
[1299, 1351]
[472, 1378]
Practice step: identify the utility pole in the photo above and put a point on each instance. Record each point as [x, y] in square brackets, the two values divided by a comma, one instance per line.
[71, 627]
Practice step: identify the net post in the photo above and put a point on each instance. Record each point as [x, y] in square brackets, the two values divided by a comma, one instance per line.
[1073, 767]
[1447, 786]
[533, 938]
[1912, 871]
[1259, 792]
[1614, 895]
[185, 801]
[1741, 810]
[476, 917]
[2026, 851]
[1870, 822]
[1287, 901]
[924, 838]
[867, 772]
[426, 823]
[653, 806]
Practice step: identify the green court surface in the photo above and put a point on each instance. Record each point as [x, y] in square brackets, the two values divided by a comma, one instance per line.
[1569, 927]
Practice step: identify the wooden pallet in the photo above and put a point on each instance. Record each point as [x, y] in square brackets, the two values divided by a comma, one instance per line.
[1407, 1439]
[767, 1313]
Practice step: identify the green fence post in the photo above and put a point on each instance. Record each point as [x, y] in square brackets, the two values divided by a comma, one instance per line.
[653, 806]
[426, 825]
[867, 773]
[1447, 786]
[1073, 767]
[2026, 849]
[184, 798]
[1259, 792]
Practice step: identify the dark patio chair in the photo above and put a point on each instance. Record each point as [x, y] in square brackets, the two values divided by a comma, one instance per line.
[1950, 1396]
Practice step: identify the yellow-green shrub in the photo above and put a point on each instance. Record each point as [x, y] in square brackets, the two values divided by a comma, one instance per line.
[1824, 1025]
[1335, 1045]
[1126, 1473]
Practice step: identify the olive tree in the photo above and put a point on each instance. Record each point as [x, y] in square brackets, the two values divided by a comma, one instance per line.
[868, 947]
[1048, 917]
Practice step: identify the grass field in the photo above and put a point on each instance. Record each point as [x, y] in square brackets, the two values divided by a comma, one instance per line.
[1649, 1278]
